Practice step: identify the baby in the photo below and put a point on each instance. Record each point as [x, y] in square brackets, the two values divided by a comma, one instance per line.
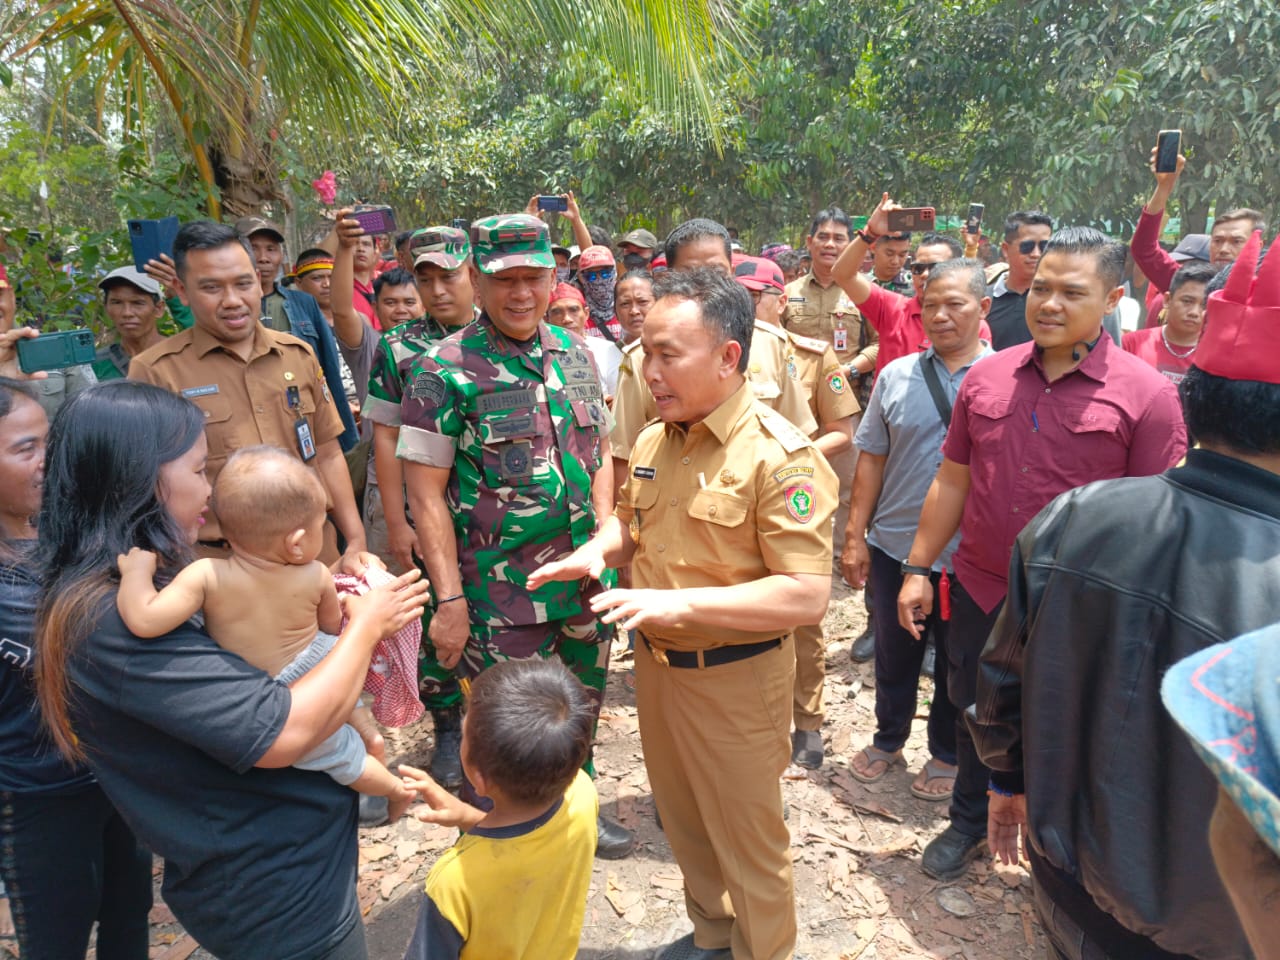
[272, 602]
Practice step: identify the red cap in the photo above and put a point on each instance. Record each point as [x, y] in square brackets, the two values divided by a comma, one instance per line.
[756, 273]
[4, 277]
[1241, 339]
[597, 256]
[658, 263]
[567, 291]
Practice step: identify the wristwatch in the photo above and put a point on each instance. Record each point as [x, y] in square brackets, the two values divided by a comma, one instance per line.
[910, 569]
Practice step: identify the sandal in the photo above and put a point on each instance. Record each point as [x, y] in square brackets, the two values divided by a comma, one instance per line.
[890, 760]
[934, 769]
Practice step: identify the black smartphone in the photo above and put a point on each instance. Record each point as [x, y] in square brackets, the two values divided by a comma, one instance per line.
[1168, 146]
[973, 222]
[375, 219]
[911, 220]
[53, 351]
[548, 202]
[150, 238]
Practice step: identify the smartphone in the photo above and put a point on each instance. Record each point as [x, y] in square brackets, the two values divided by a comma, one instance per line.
[546, 202]
[150, 238]
[375, 218]
[973, 222]
[460, 223]
[1168, 146]
[911, 220]
[53, 351]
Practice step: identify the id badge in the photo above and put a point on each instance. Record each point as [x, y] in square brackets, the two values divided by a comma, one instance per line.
[841, 337]
[306, 443]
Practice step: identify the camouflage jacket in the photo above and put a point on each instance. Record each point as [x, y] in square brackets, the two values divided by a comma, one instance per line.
[521, 427]
[397, 349]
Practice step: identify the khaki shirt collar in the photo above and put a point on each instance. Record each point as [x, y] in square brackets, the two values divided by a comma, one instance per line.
[721, 421]
[205, 342]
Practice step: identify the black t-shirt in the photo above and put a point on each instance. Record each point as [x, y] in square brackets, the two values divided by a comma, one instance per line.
[29, 762]
[258, 863]
[1008, 320]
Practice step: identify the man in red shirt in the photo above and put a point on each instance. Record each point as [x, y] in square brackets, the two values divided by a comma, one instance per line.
[1029, 423]
[1171, 347]
[1231, 231]
[895, 317]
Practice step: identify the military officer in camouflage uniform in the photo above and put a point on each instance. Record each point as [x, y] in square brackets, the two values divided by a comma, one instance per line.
[440, 256]
[505, 441]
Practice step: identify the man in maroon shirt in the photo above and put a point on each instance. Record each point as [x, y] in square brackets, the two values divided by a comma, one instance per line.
[1171, 347]
[1029, 423]
[1231, 231]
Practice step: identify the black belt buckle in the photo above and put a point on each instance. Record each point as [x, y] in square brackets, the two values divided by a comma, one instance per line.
[694, 659]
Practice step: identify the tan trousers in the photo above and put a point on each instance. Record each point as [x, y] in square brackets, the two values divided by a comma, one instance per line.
[716, 742]
[811, 676]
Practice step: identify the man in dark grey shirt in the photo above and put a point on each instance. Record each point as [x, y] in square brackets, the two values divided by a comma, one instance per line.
[900, 445]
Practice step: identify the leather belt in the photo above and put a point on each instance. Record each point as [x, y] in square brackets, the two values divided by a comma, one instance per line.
[697, 659]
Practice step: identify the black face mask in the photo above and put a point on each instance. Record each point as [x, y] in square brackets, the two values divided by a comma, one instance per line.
[635, 261]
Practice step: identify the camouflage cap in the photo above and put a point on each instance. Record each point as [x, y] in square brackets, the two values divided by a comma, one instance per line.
[511, 240]
[446, 247]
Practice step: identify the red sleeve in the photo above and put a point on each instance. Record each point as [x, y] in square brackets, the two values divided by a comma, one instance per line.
[1160, 437]
[884, 309]
[958, 445]
[1148, 254]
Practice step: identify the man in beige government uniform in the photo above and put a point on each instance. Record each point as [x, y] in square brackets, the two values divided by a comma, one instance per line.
[705, 243]
[725, 518]
[254, 385]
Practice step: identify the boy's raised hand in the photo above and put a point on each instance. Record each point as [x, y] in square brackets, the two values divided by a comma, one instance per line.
[442, 807]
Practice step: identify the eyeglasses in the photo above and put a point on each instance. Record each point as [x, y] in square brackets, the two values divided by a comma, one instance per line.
[594, 275]
[1026, 246]
[918, 268]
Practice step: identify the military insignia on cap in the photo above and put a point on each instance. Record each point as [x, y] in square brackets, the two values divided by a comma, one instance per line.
[837, 383]
[799, 500]
[428, 387]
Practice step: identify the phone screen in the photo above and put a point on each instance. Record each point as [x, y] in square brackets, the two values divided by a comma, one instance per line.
[1168, 146]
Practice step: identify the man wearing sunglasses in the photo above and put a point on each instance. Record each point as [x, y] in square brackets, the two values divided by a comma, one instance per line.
[1026, 234]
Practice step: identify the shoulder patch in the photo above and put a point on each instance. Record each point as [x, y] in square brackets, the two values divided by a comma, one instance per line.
[809, 343]
[428, 386]
[782, 429]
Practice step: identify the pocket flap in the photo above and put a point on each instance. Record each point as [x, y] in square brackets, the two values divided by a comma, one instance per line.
[1096, 419]
[993, 408]
[713, 506]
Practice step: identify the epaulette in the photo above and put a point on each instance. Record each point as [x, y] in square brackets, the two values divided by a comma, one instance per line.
[781, 429]
[771, 329]
[812, 344]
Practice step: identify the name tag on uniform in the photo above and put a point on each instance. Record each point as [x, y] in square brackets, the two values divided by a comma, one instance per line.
[207, 390]
[797, 300]
[306, 442]
[644, 473]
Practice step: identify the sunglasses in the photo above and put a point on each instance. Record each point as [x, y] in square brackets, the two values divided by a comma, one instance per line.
[1026, 246]
[595, 275]
[918, 268]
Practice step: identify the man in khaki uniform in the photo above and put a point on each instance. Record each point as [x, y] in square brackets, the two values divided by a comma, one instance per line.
[815, 309]
[812, 363]
[725, 518]
[705, 243]
[254, 385]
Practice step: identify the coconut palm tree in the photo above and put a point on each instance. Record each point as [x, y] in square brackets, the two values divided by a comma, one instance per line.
[236, 74]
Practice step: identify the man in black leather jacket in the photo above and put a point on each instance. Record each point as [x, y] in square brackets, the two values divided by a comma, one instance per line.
[1110, 585]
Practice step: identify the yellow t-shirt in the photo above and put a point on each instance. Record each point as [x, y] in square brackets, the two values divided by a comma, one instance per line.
[513, 892]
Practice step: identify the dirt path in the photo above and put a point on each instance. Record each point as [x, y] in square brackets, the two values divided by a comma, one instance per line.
[859, 889]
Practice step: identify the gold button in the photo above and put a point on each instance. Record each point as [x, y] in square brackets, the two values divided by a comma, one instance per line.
[711, 510]
[288, 375]
[685, 460]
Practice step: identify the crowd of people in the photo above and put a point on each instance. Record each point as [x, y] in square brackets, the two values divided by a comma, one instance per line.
[443, 471]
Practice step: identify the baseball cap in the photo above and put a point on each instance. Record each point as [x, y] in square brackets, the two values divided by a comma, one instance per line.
[248, 226]
[1226, 698]
[640, 238]
[130, 275]
[446, 247]
[756, 273]
[561, 248]
[511, 240]
[597, 256]
[567, 291]
[1194, 246]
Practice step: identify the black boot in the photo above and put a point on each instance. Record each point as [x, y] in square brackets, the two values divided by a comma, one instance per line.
[446, 761]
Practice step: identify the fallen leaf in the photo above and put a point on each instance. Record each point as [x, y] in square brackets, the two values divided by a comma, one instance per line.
[374, 852]
[956, 902]
[667, 881]
[635, 914]
[620, 898]
[180, 950]
[407, 849]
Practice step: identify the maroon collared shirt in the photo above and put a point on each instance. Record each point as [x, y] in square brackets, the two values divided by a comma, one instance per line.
[1026, 440]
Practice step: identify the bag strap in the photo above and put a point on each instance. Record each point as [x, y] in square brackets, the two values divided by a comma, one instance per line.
[939, 396]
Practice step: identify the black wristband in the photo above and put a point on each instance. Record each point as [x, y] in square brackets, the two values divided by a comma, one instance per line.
[443, 600]
[868, 238]
[909, 569]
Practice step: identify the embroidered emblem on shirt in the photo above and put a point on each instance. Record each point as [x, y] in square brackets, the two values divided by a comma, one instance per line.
[837, 383]
[428, 387]
[799, 500]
